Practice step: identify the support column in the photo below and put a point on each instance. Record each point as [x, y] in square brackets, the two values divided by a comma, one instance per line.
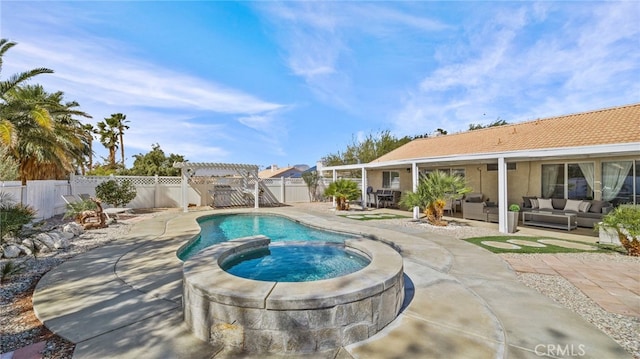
[414, 186]
[335, 178]
[503, 198]
[256, 193]
[363, 190]
[183, 184]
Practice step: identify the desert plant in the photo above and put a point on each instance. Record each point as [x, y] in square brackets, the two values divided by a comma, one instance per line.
[432, 194]
[312, 179]
[343, 190]
[115, 194]
[8, 269]
[13, 215]
[75, 209]
[625, 218]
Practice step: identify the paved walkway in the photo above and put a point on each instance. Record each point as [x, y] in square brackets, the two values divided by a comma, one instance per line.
[614, 286]
[123, 300]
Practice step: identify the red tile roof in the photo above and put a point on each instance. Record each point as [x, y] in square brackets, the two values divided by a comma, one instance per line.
[601, 127]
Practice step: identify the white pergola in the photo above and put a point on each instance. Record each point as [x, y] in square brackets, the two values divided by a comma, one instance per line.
[189, 169]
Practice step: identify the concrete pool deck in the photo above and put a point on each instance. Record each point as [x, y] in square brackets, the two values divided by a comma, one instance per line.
[123, 300]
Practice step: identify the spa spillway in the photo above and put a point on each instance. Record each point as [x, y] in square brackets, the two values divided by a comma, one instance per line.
[258, 316]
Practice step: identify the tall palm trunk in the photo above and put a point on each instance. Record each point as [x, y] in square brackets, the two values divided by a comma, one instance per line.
[122, 148]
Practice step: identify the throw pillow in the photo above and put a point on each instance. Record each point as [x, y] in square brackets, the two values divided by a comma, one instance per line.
[572, 205]
[534, 203]
[526, 202]
[584, 206]
[545, 203]
[596, 206]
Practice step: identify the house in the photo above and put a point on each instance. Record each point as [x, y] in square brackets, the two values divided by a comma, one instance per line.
[590, 155]
[275, 172]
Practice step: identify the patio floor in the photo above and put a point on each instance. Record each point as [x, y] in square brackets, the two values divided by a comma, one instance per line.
[123, 300]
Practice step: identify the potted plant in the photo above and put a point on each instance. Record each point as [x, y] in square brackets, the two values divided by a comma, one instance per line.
[622, 226]
[512, 218]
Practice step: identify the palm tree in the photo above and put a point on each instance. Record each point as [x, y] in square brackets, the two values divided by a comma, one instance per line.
[108, 132]
[89, 131]
[49, 141]
[343, 190]
[8, 135]
[120, 120]
[433, 191]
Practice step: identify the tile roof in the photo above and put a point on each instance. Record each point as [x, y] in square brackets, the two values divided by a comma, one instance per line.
[277, 172]
[601, 127]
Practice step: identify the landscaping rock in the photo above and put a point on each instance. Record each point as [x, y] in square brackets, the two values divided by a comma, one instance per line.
[45, 239]
[73, 227]
[11, 251]
[24, 249]
[61, 243]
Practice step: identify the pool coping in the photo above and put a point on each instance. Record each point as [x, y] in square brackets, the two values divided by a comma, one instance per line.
[272, 317]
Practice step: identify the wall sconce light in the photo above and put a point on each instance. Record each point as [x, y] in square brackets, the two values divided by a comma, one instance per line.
[408, 170]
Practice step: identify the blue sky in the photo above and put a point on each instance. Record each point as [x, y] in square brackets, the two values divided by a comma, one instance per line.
[289, 82]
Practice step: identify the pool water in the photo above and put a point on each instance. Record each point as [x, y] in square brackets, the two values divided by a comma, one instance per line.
[221, 228]
[309, 262]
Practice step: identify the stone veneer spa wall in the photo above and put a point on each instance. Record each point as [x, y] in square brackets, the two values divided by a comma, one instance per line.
[290, 317]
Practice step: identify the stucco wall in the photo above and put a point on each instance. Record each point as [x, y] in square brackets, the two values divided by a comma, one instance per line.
[525, 180]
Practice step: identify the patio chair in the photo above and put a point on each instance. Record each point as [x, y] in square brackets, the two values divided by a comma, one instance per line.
[449, 206]
[69, 198]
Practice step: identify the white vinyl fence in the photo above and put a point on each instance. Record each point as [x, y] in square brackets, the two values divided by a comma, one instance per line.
[45, 196]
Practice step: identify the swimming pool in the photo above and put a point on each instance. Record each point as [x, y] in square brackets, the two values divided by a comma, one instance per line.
[221, 228]
[295, 262]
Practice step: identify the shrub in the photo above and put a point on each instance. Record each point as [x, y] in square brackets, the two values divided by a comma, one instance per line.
[514, 208]
[75, 209]
[8, 269]
[343, 190]
[115, 194]
[13, 215]
[623, 218]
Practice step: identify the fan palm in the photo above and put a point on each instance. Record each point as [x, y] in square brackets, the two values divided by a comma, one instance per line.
[432, 193]
[8, 135]
[111, 131]
[120, 120]
[343, 190]
[50, 142]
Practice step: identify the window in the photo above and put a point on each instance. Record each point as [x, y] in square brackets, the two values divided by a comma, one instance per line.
[494, 166]
[580, 177]
[568, 180]
[391, 179]
[553, 181]
[618, 181]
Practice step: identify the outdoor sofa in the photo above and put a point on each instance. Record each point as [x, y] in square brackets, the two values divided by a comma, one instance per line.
[588, 212]
[474, 206]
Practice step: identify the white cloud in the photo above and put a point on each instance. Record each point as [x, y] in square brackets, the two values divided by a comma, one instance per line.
[316, 39]
[117, 79]
[513, 70]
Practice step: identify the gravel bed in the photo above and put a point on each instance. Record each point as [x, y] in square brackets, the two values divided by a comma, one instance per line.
[625, 330]
[18, 324]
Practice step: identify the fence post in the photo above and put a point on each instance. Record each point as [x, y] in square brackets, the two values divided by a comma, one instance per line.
[156, 191]
[284, 200]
